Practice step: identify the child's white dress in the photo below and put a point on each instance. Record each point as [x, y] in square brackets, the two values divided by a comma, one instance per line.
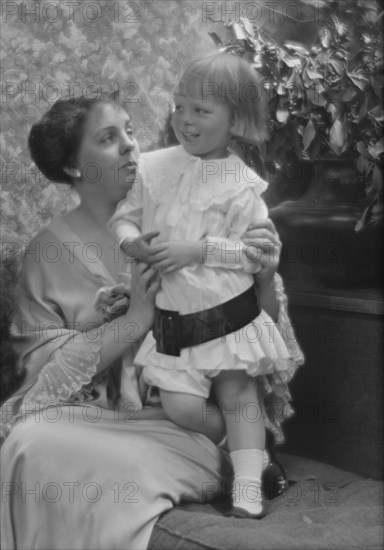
[186, 198]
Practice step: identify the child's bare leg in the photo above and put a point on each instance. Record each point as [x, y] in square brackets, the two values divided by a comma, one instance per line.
[194, 413]
[236, 394]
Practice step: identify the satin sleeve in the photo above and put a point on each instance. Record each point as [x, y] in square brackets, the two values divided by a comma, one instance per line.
[59, 350]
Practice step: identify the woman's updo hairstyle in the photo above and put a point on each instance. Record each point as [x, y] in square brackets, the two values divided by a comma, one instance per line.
[55, 140]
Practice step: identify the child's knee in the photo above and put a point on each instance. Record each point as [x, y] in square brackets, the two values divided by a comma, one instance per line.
[236, 387]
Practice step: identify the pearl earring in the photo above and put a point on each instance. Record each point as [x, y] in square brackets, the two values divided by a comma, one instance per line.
[76, 173]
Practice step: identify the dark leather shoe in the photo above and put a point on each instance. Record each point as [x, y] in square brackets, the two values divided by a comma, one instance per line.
[274, 477]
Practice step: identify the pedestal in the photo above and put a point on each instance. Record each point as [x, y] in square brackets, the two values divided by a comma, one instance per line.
[338, 393]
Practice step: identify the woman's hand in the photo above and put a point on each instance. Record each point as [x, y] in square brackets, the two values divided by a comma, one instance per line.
[174, 255]
[140, 248]
[144, 286]
[135, 323]
[263, 250]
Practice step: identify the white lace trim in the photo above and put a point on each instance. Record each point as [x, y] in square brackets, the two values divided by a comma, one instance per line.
[69, 371]
[207, 183]
[278, 382]
[71, 368]
[284, 323]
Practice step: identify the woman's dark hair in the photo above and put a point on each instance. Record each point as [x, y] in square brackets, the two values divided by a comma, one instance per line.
[54, 141]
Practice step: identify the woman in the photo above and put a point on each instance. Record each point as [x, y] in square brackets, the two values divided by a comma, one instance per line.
[85, 464]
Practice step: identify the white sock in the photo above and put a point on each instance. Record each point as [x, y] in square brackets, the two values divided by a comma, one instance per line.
[224, 442]
[246, 488]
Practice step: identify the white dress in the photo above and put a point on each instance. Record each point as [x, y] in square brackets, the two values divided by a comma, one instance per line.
[186, 198]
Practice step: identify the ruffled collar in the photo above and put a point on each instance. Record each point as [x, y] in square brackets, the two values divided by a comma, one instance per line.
[206, 182]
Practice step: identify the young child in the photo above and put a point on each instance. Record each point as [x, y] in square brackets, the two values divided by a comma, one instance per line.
[186, 216]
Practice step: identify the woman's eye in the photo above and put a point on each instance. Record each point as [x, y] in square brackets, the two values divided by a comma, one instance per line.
[129, 131]
[177, 108]
[106, 138]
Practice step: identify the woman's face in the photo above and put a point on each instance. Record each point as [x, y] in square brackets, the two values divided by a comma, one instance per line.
[109, 152]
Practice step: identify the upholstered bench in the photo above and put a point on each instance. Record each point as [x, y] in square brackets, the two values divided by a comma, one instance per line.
[324, 508]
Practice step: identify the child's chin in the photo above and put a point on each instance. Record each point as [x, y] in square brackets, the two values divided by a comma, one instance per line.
[191, 148]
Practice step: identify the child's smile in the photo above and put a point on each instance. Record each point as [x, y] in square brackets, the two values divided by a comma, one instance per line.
[203, 126]
[188, 136]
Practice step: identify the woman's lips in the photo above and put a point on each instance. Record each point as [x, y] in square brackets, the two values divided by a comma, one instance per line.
[130, 170]
[130, 165]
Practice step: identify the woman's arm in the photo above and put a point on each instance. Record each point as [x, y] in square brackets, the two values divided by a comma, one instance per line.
[267, 297]
[135, 323]
[265, 248]
[61, 356]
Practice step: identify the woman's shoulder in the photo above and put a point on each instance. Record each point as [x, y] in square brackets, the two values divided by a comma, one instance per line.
[44, 248]
[43, 238]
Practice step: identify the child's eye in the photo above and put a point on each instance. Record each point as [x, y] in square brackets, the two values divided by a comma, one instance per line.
[201, 111]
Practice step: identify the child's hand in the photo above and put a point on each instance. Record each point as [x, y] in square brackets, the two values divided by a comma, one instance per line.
[140, 248]
[174, 255]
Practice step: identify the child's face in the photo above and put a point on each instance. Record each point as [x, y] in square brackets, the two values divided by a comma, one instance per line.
[202, 126]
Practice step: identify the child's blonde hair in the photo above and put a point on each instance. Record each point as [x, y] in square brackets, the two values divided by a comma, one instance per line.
[231, 80]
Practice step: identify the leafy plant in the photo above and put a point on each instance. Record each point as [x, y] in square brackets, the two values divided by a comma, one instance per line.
[325, 101]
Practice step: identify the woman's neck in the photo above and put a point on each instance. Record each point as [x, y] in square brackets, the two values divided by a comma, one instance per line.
[91, 216]
[96, 212]
[89, 222]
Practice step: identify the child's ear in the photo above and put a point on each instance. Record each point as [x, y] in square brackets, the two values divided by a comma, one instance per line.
[237, 127]
[73, 172]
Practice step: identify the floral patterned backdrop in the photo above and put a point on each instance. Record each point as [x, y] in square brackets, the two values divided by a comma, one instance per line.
[53, 49]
